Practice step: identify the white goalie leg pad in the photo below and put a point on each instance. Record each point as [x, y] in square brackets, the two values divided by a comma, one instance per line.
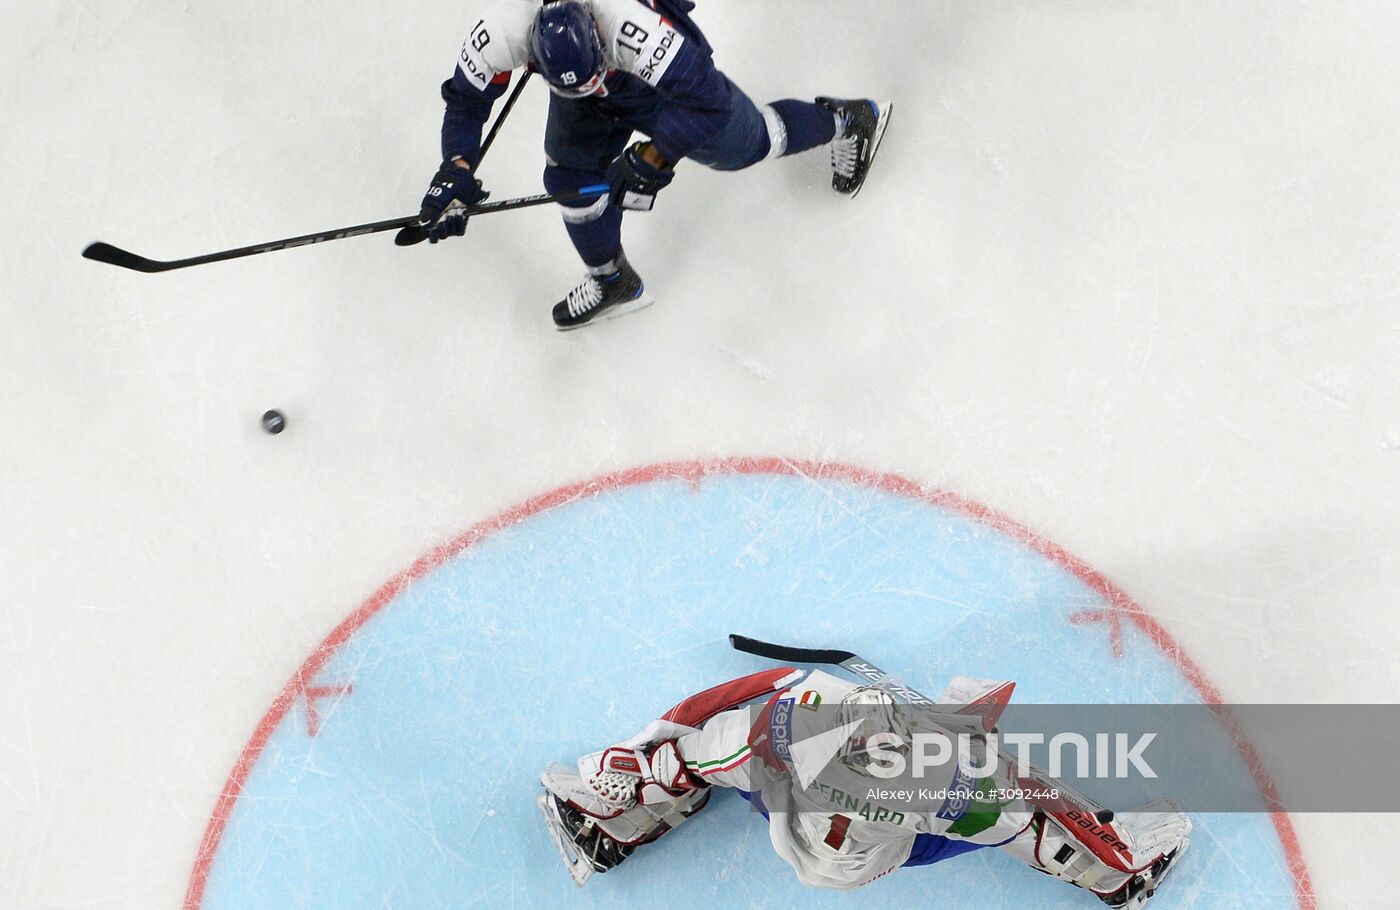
[565, 783]
[596, 823]
[626, 826]
[1059, 851]
[642, 823]
[967, 690]
[1156, 828]
[1103, 857]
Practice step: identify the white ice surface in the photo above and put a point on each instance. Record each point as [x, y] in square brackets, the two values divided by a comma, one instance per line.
[1128, 272]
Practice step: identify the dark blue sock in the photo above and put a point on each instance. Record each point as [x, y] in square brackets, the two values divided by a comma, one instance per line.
[808, 125]
[599, 241]
[595, 230]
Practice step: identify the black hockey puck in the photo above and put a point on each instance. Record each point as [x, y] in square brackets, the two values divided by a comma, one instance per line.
[273, 422]
[1104, 816]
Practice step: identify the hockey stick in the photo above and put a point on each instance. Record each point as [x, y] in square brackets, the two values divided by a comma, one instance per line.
[859, 666]
[105, 252]
[505, 111]
[112, 255]
[956, 723]
[414, 233]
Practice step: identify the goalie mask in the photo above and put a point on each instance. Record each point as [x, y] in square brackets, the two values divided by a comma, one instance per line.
[877, 712]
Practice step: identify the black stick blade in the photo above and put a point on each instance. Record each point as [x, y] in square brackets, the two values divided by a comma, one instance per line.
[787, 653]
[408, 236]
[105, 252]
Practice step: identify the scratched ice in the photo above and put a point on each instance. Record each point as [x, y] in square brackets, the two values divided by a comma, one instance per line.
[1126, 274]
[416, 789]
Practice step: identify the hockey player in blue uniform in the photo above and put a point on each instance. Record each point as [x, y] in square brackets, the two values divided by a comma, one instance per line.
[616, 67]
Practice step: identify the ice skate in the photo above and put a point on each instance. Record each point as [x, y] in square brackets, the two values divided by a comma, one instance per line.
[584, 848]
[592, 843]
[602, 296]
[854, 148]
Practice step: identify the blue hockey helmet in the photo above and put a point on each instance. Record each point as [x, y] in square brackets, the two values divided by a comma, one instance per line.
[566, 49]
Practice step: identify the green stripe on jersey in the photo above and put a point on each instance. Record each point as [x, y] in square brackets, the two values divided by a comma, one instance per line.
[719, 761]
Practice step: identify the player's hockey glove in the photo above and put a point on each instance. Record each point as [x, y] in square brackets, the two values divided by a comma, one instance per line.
[626, 777]
[636, 176]
[453, 190]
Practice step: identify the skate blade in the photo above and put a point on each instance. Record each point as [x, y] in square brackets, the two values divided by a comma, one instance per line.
[880, 125]
[622, 309]
[580, 869]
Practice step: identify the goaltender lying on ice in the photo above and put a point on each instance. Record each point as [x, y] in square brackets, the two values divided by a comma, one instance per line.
[829, 817]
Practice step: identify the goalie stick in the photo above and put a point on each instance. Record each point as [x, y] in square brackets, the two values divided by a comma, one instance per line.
[968, 719]
[113, 255]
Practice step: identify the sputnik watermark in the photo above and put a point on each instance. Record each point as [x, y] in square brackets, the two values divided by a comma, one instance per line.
[1111, 755]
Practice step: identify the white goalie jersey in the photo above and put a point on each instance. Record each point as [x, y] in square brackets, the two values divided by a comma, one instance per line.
[837, 826]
